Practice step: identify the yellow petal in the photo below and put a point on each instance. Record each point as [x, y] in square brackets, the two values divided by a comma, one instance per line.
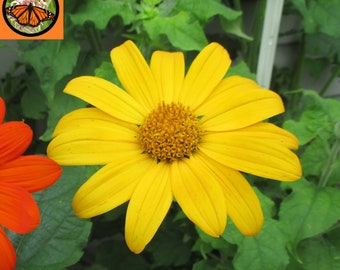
[243, 206]
[205, 73]
[107, 97]
[135, 75]
[270, 133]
[236, 103]
[110, 186]
[90, 117]
[148, 206]
[255, 155]
[168, 70]
[197, 191]
[91, 140]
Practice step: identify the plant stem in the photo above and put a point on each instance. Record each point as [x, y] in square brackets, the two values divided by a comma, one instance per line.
[327, 170]
[335, 74]
[238, 7]
[295, 84]
[257, 31]
[94, 38]
[299, 67]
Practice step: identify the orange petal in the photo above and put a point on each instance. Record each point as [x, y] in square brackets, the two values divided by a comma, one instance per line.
[8, 257]
[33, 173]
[15, 137]
[2, 110]
[18, 210]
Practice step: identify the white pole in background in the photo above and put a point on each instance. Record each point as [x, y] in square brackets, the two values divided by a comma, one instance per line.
[270, 33]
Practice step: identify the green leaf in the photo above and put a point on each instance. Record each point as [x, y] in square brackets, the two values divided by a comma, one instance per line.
[61, 105]
[241, 69]
[168, 248]
[111, 252]
[323, 16]
[319, 253]
[51, 60]
[322, 45]
[204, 10]
[61, 236]
[265, 251]
[308, 210]
[335, 176]
[100, 12]
[235, 27]
[329, 106]
[33, 103]
[204, 265]
[215, 243]
[320, 16]
[312, 124]
[107, 72]
[181, 30]
[312, 163]
[317, 120]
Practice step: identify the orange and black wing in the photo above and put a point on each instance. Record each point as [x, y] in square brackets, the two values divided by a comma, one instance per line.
[29, 14]
[20, 12]
[39, 15]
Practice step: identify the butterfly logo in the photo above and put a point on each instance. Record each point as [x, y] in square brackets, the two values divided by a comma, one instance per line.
[29, 15]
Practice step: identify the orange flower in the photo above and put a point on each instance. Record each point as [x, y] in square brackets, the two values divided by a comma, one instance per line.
[19, 175]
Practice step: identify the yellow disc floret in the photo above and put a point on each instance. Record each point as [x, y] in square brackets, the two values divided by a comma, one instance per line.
[170, 132]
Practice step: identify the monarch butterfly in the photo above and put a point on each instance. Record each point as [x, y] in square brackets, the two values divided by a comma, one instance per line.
[29, 14]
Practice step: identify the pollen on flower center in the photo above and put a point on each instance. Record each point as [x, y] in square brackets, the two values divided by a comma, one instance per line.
[170, 132]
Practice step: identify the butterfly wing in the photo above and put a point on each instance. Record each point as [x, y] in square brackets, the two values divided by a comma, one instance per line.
[20, 12]
[29, 15]
[39, 15]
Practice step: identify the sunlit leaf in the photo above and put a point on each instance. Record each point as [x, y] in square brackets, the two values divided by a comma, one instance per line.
[100, 12]
[176, 28]
[204, 10]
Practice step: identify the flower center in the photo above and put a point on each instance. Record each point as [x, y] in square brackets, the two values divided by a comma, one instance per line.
[170, 132]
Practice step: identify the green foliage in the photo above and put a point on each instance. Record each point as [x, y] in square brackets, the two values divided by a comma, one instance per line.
[320, 39]
[101, 16]
[301, 228]
[308, 210]
[176, 29]
[58, 241]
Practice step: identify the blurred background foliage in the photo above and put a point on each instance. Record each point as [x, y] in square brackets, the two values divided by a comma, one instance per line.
[301, 229]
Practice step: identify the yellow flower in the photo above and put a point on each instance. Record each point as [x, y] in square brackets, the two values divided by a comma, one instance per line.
[174, 136]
